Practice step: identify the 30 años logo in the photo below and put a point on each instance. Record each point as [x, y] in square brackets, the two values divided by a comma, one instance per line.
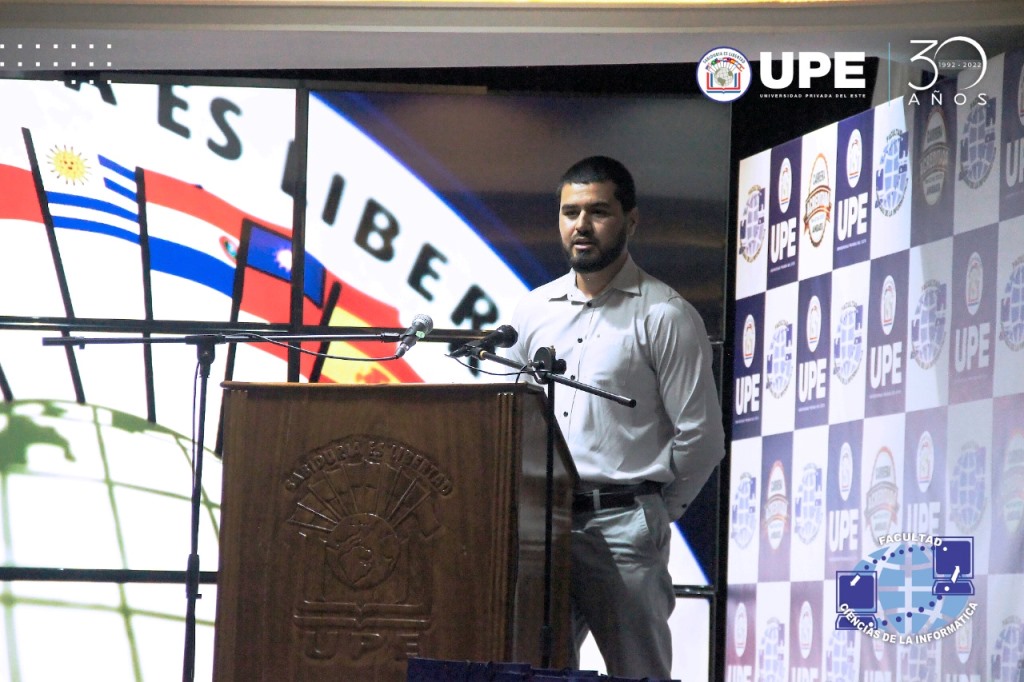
[936, 61]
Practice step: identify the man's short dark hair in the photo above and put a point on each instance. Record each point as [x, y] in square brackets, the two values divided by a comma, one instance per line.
[602, 169]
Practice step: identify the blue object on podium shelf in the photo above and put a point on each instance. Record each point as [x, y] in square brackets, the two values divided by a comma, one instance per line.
[432, 670]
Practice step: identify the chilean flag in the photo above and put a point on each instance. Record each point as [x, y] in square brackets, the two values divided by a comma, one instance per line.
[196, 236]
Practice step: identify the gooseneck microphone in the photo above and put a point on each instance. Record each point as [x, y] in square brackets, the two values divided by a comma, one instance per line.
[502, 337]
[420, 327]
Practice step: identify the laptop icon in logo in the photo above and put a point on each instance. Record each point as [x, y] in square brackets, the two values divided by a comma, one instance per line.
[953, 566]
[856, 592]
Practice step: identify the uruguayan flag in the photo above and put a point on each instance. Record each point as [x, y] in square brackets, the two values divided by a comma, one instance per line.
[92, 205]
[86, 190]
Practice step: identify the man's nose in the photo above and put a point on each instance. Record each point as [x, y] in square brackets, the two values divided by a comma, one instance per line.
[584, 223]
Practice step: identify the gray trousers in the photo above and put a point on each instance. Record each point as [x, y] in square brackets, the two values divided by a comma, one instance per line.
[621, 589]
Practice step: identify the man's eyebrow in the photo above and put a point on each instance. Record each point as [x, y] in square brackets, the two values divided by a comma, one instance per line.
[592, 204]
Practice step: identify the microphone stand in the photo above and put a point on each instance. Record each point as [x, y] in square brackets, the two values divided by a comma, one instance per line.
[548, 369]
[205, 350]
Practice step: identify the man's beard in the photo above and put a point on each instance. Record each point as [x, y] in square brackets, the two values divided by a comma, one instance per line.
[596, 259]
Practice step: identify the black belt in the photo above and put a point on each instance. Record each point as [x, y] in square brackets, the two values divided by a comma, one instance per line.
[612, 496]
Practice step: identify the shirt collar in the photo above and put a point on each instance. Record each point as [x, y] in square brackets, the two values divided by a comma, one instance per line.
[626, 281]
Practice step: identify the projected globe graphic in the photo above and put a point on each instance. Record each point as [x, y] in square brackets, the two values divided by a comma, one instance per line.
[119, 498]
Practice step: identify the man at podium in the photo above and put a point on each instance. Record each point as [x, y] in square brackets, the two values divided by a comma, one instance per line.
[623, 331]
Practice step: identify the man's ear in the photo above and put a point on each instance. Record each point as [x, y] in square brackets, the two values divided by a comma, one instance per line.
[632, 220]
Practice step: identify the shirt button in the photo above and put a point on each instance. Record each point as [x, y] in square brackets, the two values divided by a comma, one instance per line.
[590, 304]
[573, 377]
[565, 414]
[580, 340]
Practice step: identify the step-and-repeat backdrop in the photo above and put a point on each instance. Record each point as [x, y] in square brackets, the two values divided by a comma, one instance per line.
[876, 520]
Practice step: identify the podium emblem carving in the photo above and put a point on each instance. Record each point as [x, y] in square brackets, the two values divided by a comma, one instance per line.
[365, 510]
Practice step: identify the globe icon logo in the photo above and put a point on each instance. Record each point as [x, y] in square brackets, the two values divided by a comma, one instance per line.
[934, 163]
[752, 226]
[723, 74]
[919, 663]
[743, 511]
[848, 342]
[1012, 502]
[892, 176]
[771, 655]
[805, 629]
[779, 362]
[905, 577]
[854, 158]
[967, 487]
[928, 327]
[925, 461]
[785, 184]
[978, 143]
[749, 340]
[1011, 308]
[813, 323]
[842, 656]
[887, 309]
[808, 504]
[363, 550]
[740, 629]
[1008, 650]
[845, 470]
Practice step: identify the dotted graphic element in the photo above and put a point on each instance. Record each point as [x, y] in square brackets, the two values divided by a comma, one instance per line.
[39, 56]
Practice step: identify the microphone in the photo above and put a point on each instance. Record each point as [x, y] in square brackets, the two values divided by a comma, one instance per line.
[420, 327]
[502, 337]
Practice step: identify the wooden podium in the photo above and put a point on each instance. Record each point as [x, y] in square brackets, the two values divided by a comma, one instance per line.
[363, 525]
